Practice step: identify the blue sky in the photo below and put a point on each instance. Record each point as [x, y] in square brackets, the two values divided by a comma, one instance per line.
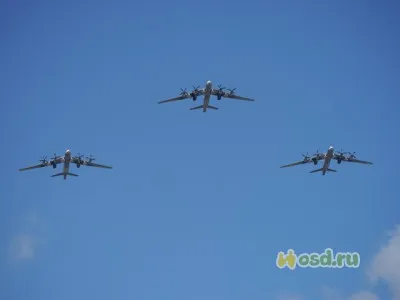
[196, 206]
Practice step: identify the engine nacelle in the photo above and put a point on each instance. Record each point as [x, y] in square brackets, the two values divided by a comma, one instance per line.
[194, 97]
[219, 97]
[339, 161]
[78, 165]
[54, 166]
[315, 161]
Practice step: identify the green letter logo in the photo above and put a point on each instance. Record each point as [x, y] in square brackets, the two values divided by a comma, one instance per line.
[314, 260]
[353, 260]
[304, 260]
[326, 258]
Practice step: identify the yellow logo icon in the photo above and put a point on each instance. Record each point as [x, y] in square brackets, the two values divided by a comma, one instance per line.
[288, 259]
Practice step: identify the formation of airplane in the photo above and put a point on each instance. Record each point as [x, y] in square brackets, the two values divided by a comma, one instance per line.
[67, 160]
[327, 158]
[207, 92]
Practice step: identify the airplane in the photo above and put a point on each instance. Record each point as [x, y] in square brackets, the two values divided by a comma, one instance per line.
[327, 157]
[67, 159]
[207, 92]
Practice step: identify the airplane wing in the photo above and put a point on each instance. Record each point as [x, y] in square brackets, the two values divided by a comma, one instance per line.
[182, 97]
[199, 92]
[350, 159]
[233, 96]
[91, 164]
[44, 164]
[305, 161]
[358, 161]
[36, 167]
[75, 160]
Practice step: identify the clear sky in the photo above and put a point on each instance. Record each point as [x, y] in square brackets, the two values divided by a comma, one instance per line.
[196, 206]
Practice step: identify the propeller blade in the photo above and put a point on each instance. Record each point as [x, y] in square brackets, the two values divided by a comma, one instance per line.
[90, 158]
[352, 155]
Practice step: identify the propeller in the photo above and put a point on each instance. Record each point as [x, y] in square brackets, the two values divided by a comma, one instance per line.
[352, 155]
[184, 92]
[341, 153]
[232, 91]
[43, 160]
[305, 156]
[220, 91]
[195, 91]
[54, 157]
[90, 158]
[80, 156]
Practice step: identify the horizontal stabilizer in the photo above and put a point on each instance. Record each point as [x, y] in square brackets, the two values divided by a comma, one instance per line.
[320, 170]
[59, 174]
[213, 107]
[197, 107]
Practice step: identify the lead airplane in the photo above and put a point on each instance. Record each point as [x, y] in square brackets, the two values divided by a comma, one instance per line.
[327, 158]
[67, 159]
[207, 92]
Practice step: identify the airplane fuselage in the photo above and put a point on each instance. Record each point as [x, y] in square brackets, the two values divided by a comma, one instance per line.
[207, 95]
[327, 161]
[67, 160]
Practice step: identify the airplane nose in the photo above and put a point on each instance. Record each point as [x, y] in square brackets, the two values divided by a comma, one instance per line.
[209, 82]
